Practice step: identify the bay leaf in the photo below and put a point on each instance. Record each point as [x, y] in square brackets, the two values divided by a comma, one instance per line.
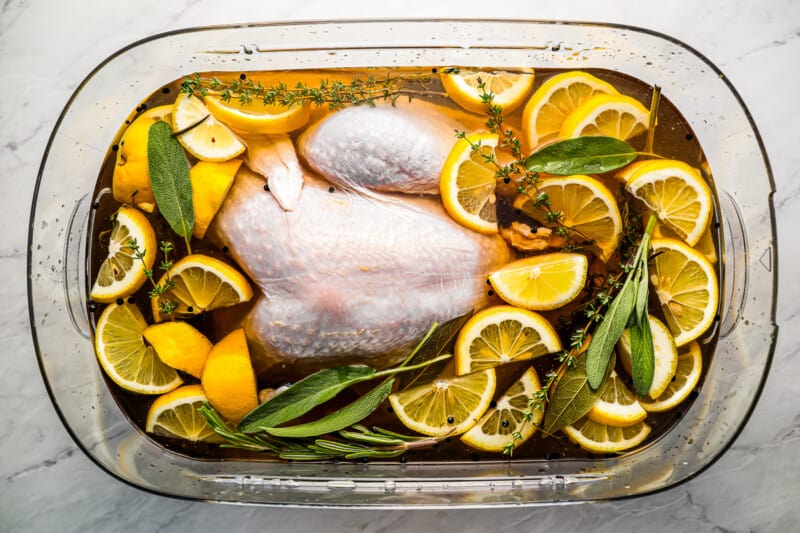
[581, 155]
[169, 177]
[607, 334]
[303, 396]
[573, 397]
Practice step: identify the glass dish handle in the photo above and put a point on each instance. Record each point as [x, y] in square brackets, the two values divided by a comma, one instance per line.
[74, 258]
[737, 261]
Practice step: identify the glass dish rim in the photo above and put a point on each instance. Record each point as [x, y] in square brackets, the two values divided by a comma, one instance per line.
[311, 22]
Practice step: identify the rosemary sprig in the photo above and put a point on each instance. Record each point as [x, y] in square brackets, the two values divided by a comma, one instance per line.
[355, 442]
[335, 94]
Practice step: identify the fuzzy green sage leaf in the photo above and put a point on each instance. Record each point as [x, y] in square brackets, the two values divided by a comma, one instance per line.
[345, 417]
[303, 396]
[169, 177]
[607, 334]
[643, 359]
[582, 155]
[572, 397]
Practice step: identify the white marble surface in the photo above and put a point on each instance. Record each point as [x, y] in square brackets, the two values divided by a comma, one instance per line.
[47, 484]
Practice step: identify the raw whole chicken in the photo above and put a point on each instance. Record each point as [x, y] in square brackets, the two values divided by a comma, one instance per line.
[353, 272]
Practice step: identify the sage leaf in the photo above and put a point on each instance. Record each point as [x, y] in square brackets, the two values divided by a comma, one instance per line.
[607, 334]
[348, 415]
[573, 397]
[169, 177]
[643, 282]
[643, 358]
[582, 155]
[303, 396]
[642, 294]
[441, 340]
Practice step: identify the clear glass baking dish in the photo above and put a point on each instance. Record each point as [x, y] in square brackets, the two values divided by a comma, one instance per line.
[90, 123]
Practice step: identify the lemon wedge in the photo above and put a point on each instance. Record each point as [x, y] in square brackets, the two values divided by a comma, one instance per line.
[205, 137]
[179, 345]
[211, 182]
[228, 378]
[130, 183]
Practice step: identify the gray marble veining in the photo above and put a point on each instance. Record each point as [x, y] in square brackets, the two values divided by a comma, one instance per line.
[47, 484]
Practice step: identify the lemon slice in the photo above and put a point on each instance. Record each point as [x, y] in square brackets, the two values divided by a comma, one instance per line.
[179, 345]
[587, 206]
[211, 182]
[665, 352]
[601, 438]
[174, 415]
[256, 117]
[125, 357]
[676, 193]
[500, 335]
[130, 183]
[509, 88]
[122, 273]
[208, 139]
[687, 375]
[202, 283]
[545, 112]
[541, 282]
[447, 406]
[686, 286]
[228, 378]
[508, 422]
[467, 184]
[617, 406]
[614, 115]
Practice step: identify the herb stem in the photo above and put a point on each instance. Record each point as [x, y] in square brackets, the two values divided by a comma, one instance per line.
[651, 127]
[401, 368]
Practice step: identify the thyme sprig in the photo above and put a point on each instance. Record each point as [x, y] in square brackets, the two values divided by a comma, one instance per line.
[355, 442]
[335, 94]
[166, 307]
[517, 171]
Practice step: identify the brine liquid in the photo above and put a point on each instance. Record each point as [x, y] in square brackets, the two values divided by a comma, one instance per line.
[674, 139]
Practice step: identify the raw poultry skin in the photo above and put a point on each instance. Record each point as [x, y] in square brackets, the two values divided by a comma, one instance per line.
[352, 275]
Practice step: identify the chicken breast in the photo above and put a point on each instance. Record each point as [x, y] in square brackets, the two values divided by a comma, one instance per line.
[384, 148]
